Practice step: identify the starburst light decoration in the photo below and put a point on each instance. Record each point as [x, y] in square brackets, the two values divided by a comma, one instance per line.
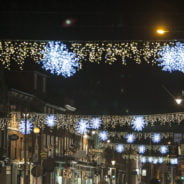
[95, 123]
[156, 138]
[143, 159]
[119, 148]
[150, 159]
[130, 138]
[172, 57]
[173, 161]
[82, 126]
[141, 149]
[138, 123]
[103, 135]
[160, 160]
[163, 149]
[59, 60]
[50, 121]
[29, 126]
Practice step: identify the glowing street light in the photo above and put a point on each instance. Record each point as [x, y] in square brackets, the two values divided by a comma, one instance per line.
[178, 100]
[161, 31]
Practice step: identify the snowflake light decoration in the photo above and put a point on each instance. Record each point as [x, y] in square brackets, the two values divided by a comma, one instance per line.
[156, 138]
[173, 161]
[29, 126]
[163, 149]
[50, 121]
[82, 126]
[103, 135]
[172, 57]
[150, 159]
[143, 159]
[160, 160]
[141, 149]
[58, 60]
[130, 138]
[119, 148]
[138, 123]
[155, 161]
[95, 123]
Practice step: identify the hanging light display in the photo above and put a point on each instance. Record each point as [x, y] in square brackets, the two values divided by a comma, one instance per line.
[138, 123]
[50, 121]
[150, 159]
[160, 160]
[173, 161]
[143, 159]
[119, 148]
[156, 138]
[103, 135]
[130, 138]
[58, 60]
[95, 123]
[25, 129]
[82, 126]
[141, 149]
[172, 57]
[163, 149]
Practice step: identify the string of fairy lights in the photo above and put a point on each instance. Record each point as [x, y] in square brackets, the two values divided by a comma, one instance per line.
[66, 58]
[95, 126]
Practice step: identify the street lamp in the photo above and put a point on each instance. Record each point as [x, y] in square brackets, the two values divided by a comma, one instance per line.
[178, 100]
[161, 31]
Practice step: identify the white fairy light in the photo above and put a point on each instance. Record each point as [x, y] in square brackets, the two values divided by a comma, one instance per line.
[173, 161]
[119, 148]
[156, 138]
[155, 161]
[150, 159]
[95, 123]
[163, 149]
[103, 135]
[138, 123]
[160, 160]
[82, 126]
[50, 121]
[141, 149]
[130, 138]
[29, 127]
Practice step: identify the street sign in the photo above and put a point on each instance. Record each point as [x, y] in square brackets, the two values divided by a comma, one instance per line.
[13, 137]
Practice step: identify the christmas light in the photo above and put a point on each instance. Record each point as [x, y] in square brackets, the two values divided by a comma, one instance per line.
[150, 159]
[173, 161]
[160, 160]
[155, 161]
[95, 123]
[82, 126]
[119, 148]
[156, 138]
[130, 138]
[141, 149]
[163, 149]
[103, 135]
[28, 126]
[143, 159]
[58, 60]
[172, 57]
[138, 123]
[50, 121]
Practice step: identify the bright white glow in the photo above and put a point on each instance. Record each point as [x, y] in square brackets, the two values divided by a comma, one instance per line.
[173, 161]
[108, 141]
[58, 60]
[95, 123]
[130, 138]
[178, 101]
[150, 159]
[163, 149]
[113, 162]
[143, 159]
[119, 148]
[138, 123]
[50, 121]
[156, 138]
[172, 58]
[155, 161]
[29, 127]
[82, 126]
[160, 160]
[103, 135]
[141, 149]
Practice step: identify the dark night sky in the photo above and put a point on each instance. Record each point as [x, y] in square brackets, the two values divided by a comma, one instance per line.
[102, 89]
